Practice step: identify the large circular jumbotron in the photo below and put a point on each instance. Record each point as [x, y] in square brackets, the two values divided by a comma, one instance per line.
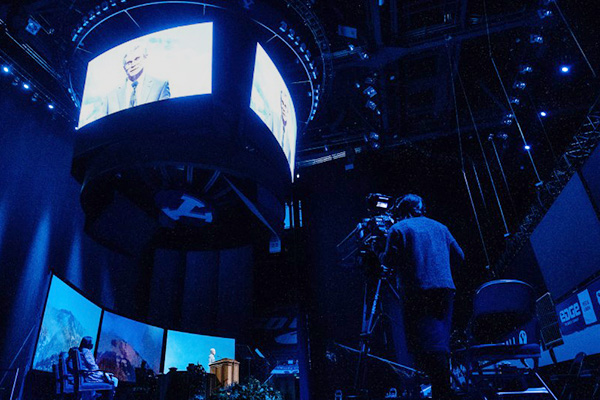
[189, 120]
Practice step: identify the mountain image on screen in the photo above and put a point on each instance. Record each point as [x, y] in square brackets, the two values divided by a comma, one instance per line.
[121, 359]
[61, 331]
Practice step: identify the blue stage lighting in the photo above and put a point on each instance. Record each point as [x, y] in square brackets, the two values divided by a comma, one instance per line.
[51, 106]
[5, 69]
[543, 113]
[527, 147]
[26, 86]
[565, 69]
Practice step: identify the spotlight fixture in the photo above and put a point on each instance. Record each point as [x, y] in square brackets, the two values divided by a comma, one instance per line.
[371, 105]
[525, 69]
[565, 69]
[15, 81]
[536, 39]
[283, 26]
[508, 119]
[519, 85]
[26, 86]
[5, 69]
[35, 97]
[527, 147]
[502, 136]
[543, 113]
[370, 91]
[351, 47]
[51, 106]
[544, 13]
[515, 101]
[373, 136]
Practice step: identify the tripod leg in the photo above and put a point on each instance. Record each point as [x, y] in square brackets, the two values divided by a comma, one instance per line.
[364, 341]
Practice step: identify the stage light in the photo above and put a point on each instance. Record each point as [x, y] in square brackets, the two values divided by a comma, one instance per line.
[33, 26]
[51, 106]
[26, 86]
[525, 69]
[5, 69]
[371, 105]
[283, 26]
[351, 47]
[536, 39]
[519, 85]
[565, 69]
[34, 98]
[373, 136]
[15, 81]
[508, 119]
[527, 147]
[370, 91]
[543, 113]
[291, 34]
[543, 13]
[297, 176]
[515, 101]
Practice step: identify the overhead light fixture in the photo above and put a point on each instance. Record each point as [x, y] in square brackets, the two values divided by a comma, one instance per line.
[544, 13]
[283, 26]
[543, 113]
[565, 69]
[527, 147]
[536, 39]
[5, 69]
[33, 26]
[519, 85]
[26, 86]
[515, 101]
[525, 69]
[51, 106]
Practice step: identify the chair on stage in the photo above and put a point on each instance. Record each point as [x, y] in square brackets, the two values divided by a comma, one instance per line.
[64, 383]
[499, 308]
[79, 384]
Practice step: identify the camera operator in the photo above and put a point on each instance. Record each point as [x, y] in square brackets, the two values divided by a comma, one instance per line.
[422, 252]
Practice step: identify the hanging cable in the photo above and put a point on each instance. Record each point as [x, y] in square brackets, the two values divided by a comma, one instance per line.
[485, 159]
[512, 202]
[512, 110]
[537, 113]
[479, 186]
[462, 161]
[574, 37]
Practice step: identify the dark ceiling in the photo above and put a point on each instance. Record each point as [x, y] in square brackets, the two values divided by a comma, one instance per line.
[406, 73]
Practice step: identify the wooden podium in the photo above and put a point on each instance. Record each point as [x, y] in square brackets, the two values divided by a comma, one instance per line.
[227, 371]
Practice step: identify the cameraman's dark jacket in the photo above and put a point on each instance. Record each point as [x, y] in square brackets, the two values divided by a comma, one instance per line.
[423, 252]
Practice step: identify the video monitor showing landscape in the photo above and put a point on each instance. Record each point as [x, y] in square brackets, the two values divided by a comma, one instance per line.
[124, 344]
[67, 318]
[163, 65]
[190, 348]
[271, 101]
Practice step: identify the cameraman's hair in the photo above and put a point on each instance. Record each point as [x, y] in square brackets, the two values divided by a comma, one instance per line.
[409, 205]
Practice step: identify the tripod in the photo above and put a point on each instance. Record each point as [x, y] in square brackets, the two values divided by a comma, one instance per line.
[370, 318]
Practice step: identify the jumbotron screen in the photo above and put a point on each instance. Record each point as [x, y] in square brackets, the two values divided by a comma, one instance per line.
[189, 348]
[163, 65]
[271, 101]
[125, 344]
[68, 317]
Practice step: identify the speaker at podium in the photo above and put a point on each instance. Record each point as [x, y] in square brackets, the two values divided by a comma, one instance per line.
[226, 370]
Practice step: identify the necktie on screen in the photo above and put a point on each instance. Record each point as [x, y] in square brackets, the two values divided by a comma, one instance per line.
[133, 100]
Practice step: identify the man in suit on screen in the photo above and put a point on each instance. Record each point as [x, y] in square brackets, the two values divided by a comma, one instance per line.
[138, 87]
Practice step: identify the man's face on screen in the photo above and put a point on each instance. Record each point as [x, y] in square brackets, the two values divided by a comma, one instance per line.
[134, 63]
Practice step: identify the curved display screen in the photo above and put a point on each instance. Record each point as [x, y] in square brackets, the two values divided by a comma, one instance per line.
[67, 318]
[163, 65]
[190, 348]
[272, 102]
[125, 345]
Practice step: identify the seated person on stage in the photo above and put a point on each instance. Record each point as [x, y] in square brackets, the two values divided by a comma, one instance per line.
[88, 364]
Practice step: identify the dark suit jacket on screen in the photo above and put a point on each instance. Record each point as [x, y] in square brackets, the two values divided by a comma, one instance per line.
[154, 89]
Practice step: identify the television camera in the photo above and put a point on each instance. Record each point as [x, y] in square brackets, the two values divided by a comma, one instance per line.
[362, 246]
